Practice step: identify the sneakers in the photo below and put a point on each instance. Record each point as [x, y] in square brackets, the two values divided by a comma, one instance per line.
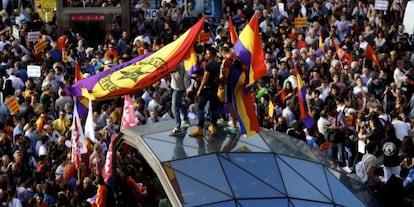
[198, 131]
[176, 132]
[212, 129]
[185, 124]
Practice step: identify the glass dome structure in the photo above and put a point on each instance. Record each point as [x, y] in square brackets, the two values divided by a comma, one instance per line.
[227, 170]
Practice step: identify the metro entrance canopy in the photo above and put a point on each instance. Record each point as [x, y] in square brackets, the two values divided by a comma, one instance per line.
[227, 170]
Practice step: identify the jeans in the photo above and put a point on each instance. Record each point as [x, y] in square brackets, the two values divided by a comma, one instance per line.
[209, 96]
[178, 108]
[388, 171]
[338, 148]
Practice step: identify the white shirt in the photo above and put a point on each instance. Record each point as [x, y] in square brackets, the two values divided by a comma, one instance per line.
[42, 150]
[289, 116]
[16, 82]
[398, 77]
[322, 123]
[401, 128]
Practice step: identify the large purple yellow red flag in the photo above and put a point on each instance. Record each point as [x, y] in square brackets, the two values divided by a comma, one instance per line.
[78, 139]
[140, 74]
[249, 49]
[303, 105]
[232, 31]
[243, 102]
[370, 54]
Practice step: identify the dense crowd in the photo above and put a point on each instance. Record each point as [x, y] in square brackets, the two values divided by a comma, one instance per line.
[360, 110]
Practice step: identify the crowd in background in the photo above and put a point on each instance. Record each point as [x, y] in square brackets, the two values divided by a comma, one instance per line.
[371, 106]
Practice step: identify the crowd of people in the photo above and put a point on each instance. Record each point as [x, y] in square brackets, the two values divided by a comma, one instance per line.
[361, 110]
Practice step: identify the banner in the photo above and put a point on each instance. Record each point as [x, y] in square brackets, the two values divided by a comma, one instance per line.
[107, 170]
[45, 9]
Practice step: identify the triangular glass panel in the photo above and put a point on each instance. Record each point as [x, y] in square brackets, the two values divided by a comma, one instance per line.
[164, 151]
[264, 202]
[255, 142]
[341, 194]
[206, 169]
[193, 193]
[261, 165]
[296, 186]
[304, 203]
[222, 204]
[245, 185]
[311, 171]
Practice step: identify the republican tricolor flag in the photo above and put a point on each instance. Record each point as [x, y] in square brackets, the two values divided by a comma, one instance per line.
[249, 49]
[243, 102]
[303, 105]
[141, 73]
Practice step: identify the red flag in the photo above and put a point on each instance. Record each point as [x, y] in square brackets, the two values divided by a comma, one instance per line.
[40, 121]
[78, 71]
[128, 116]
[370, 54]
[78, 140]
[232, 31]
[107, 171]
[343, 56]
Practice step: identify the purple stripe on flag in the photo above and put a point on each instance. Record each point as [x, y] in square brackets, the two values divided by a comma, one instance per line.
[243, 53]
[90, 82]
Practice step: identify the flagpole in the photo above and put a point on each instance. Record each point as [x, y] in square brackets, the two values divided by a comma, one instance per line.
[79, 173]
[363, 63]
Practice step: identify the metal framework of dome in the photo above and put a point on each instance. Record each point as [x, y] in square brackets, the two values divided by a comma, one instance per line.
[226, 170]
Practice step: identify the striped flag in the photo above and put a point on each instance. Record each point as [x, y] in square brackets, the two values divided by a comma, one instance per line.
[303, 105]
[249, 49]
[139, 74]
[191, 62]
[243, 102]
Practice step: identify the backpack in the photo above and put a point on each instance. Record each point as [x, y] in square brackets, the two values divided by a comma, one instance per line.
[361, 171]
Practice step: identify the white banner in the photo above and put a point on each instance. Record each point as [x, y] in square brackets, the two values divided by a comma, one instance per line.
[33, 36]
[33, 71]
[381, 5]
